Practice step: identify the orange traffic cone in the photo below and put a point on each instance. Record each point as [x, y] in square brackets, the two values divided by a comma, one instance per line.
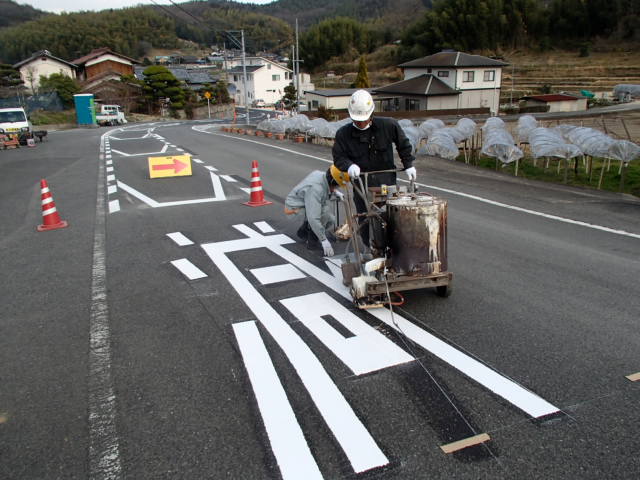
[50, 218]
[256, 198]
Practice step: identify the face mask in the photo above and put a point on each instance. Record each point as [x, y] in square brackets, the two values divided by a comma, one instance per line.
[362, 129]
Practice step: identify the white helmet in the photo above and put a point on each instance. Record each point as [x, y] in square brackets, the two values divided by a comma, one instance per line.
[360, 106]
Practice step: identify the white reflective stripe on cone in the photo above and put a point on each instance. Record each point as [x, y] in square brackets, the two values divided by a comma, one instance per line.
[44, 190]
[49, 211]
[47, 200]
[256, 189]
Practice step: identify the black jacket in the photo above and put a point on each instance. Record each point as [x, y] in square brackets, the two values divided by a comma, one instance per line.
[371, 149]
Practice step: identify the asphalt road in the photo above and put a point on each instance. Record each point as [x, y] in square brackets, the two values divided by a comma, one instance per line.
[128, 353]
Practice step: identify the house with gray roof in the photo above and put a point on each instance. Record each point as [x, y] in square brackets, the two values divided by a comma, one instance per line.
[43, 63]
[476, 78]
[423, 92]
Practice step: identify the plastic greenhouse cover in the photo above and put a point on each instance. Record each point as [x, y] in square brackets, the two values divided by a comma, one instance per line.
[413, 134]
[429, 126]
[526, 123]
[498, 143]
[441, 144]
[466, 127]
[591, 141]
[405, 122]
[546, 142]
[620, 91]
[624, 150]
[493, 122]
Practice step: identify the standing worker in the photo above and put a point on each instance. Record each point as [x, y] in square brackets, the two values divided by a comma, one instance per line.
[310, 199]
[365, 145]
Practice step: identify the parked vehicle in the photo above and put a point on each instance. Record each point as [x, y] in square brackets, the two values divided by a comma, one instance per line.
[110, 115]
[259, 103]
[14, 121]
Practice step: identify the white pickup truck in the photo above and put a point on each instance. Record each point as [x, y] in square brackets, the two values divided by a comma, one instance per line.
[110, 115]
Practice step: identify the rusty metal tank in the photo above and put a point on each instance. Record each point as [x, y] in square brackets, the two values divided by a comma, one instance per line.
[417, 234]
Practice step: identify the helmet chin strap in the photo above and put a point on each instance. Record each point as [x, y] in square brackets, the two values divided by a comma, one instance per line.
[363, 128]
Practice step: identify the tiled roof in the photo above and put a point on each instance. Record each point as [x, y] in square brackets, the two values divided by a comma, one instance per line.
[99, 52]
[338, 92]
[453, 59]
[250, 69]
[427, 85]
[43, 53]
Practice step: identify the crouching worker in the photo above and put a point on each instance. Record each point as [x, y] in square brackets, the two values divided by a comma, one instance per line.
[310, 201]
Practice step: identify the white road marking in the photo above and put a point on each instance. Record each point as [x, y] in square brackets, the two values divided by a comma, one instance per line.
[358, 445]
[104, 445]
[263, 226]
[179, 238]
[164, 149]
[111, 189]
[277, 274]
[228, 178]
[215, 182]
[180, 149]
[109, 162]
[285, 435]
[109, 169]
[454, 192]
[188, 269]
[114, 206]
[366, 351]
[508, 389]
[111, 178]
[197, 160]
[212, 169]
[245, 189]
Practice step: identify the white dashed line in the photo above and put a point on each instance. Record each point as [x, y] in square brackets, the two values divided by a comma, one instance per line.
[188, 269]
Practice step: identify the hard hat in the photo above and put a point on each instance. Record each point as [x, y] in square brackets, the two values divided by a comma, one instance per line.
[360, 106]
[341, 178]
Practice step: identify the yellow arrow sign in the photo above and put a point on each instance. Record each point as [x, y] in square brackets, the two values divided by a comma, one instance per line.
[171, 166]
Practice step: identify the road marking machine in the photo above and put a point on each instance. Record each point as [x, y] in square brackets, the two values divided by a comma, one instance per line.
[408, 243]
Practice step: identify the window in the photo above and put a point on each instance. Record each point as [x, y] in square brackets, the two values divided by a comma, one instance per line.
[235, 78]
[275, 78]
[489, 75]
[314, 104]
[468, 76]
[443, 73]
[411, 105]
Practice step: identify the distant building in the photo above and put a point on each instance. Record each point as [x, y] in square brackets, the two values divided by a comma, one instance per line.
[43, 63]
[477, 78]
[423, 92]
[266, 80]
[335, 99]
[556, 102]
[103, 63]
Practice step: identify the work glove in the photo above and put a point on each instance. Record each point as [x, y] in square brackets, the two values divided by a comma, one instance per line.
[353, 171]
[411, 173]
[339, 195]
[327, 248]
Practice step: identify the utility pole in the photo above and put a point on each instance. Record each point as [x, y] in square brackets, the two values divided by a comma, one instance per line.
[297, 69]
[240, 44]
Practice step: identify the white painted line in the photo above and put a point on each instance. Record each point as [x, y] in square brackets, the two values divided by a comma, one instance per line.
[285, 435]
[109, 162]
[114, 206]
[217, 190]
[357, 443]
[109, 169]
[197, 160]
[212, 169]
[180, 149]
[453, 192]
[164, 149]
[104, 445]
[138, 195]
[171, 145]
[111, 178]
[277, 273]
[228, 178]
[188, 269]
[264, 226]
[179, 238]
[245, 189]
[111, 189]
[366, 351]
[508, 389]
[108, 155]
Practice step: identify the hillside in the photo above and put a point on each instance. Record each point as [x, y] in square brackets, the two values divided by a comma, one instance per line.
[14, 14]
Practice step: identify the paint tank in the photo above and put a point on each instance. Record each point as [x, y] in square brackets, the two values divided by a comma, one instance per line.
[418, 234]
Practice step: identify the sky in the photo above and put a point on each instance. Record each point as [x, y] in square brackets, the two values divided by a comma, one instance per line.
[58, 6]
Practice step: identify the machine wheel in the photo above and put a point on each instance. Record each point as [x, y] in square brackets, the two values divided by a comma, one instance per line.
[444, 290]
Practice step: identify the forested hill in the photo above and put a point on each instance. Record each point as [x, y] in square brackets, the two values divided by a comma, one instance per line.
[12, 14]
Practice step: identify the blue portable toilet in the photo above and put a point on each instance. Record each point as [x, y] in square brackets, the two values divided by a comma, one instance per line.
[85, 109]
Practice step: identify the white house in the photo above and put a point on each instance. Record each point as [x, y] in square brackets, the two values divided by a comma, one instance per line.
[265, 79]
[477, 78]
[336, 99]
[43, 63]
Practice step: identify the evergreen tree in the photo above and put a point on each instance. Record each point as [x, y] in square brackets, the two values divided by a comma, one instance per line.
[65, 87]
[289, 98]
[362, 80]
[160, 83]
[221, 92]
[10, 81]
